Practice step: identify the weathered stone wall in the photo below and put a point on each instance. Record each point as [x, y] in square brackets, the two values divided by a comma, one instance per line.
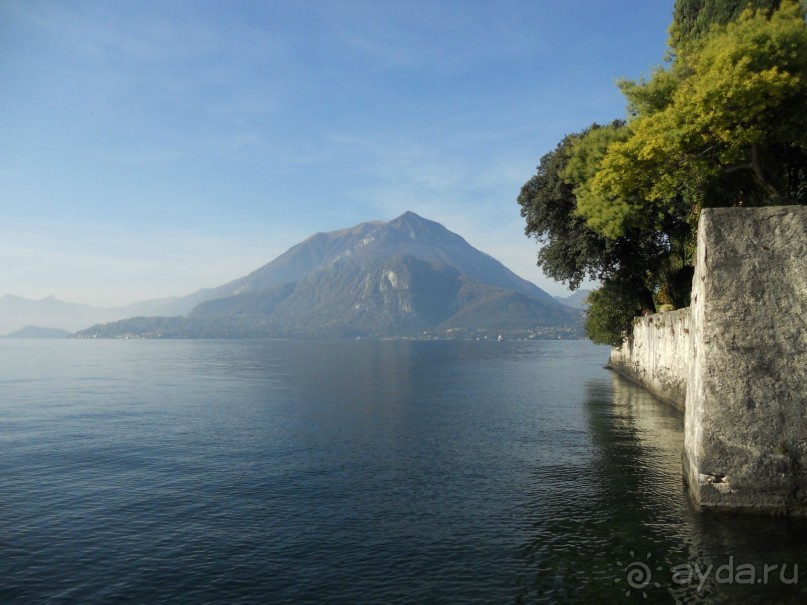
[657, 355]
[737, 360]
[746, 405]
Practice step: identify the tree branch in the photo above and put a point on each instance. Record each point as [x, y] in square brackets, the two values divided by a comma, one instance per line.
[736, 167]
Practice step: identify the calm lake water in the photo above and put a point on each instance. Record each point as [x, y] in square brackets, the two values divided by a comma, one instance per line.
[357, 472]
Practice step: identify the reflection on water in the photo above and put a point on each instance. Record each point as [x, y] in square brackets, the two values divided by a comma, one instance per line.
[620, 525]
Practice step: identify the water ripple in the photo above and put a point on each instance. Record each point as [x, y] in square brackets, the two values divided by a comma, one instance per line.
[387, 472]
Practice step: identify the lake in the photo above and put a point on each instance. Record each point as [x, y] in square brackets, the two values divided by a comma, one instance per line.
[357, 472]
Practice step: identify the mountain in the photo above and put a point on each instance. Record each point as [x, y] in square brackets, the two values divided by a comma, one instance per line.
[17, 312]
[407, 235]
[406, 277]
[37, 332]
[576, 300]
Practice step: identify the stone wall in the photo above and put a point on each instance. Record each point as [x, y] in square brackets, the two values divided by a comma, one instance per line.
[737, 361]
[746, 406]
[657, 355]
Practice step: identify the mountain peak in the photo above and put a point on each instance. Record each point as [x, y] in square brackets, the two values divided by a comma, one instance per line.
[414, 227]
[408, 216]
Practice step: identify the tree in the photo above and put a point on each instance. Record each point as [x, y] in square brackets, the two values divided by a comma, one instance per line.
[571, 251]
[694, 18]
[725, 123]
[611, 309]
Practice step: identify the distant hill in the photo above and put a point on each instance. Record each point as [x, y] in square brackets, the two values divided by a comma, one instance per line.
[576, 300]
[17, 312]
[37, 332]
[409, 277]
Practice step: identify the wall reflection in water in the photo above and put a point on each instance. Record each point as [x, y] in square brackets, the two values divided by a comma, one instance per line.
[618, 523]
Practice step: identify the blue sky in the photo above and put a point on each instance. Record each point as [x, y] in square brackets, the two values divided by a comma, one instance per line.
[149, 149]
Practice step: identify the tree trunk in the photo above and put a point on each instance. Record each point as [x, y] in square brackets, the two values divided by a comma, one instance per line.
[646, 299]
[761, 176]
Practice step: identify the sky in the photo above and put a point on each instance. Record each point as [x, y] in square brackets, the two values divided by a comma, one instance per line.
[152, 148]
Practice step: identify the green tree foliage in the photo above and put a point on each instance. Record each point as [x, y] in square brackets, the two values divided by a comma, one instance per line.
[724, 123]
[611, 310]
[571, 251]
[694, 18]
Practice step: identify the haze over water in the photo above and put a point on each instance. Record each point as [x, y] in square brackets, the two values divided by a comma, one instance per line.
[354, 472]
